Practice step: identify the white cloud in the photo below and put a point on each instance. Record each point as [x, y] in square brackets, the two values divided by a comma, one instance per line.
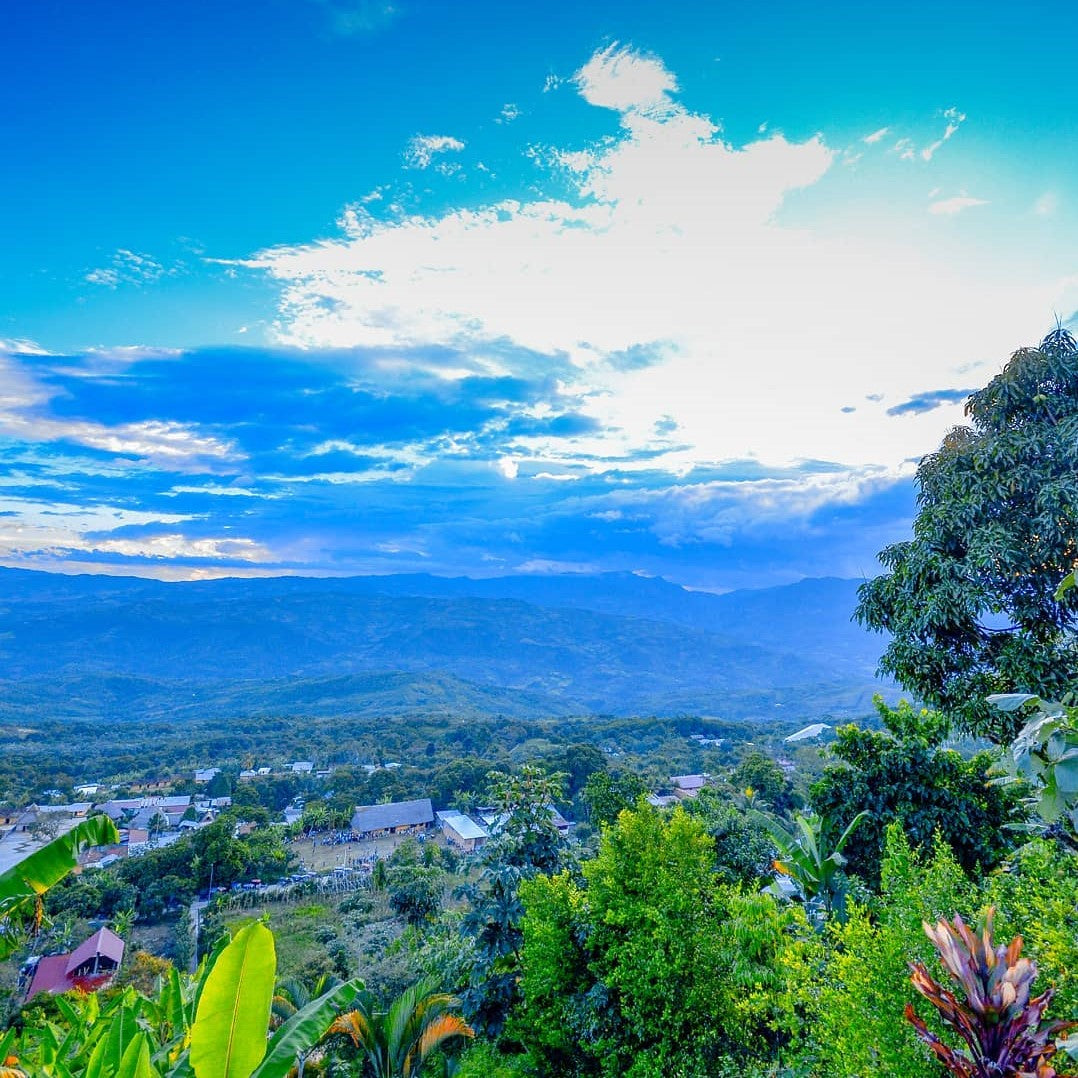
[22, 346]
[25, 416]
[509, 113]
[422, 149]
[955, 119]
[671, 234]
[906, 147]
[32, 530]
[128, 267]
[177, 445]
[626, 81]
[876, 135]
[950, 206]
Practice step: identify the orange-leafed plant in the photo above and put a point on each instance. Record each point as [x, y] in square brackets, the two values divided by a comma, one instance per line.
[1004, 1030]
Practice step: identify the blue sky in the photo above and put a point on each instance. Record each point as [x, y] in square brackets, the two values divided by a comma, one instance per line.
[340, 286]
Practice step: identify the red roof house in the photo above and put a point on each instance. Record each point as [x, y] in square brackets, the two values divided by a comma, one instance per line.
[88, 967]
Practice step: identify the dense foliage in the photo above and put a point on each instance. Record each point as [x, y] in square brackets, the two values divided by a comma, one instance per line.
[904, 774]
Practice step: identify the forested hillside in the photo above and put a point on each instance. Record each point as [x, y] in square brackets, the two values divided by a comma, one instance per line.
[612, 643]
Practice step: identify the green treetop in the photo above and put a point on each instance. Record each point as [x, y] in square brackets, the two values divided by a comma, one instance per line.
[969, 601]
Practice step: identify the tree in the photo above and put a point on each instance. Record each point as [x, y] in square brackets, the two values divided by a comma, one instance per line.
[905, 775]
[47, 826]
[397, 1042]
[743, 847]
[654, 967]
[527, 844]
[416, 892]
[970, 600]
[609, 792]
[761, 774]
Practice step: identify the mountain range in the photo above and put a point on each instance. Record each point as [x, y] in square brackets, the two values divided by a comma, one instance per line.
[614, 643]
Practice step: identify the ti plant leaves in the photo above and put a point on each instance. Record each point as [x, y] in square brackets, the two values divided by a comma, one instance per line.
[1001, 1025]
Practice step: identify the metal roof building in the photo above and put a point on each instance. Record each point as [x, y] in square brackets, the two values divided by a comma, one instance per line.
[395, 816]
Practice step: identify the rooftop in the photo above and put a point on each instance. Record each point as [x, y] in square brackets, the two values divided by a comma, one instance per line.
[396, 814]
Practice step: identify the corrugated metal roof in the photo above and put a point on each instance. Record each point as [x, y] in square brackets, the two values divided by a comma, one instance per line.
[463, 825]
[396, 814]
[689, 782]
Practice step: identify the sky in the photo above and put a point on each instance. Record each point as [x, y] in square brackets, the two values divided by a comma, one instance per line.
[360, 286]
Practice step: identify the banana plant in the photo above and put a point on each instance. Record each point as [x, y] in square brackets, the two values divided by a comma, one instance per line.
[23, 886]
[809, 858]
[212, 1025]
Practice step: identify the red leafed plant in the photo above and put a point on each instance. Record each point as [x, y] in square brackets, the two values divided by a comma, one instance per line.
[1003, 1029]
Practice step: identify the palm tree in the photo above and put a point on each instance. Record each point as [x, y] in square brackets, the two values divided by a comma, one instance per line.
[293, 995]
[396, 1042]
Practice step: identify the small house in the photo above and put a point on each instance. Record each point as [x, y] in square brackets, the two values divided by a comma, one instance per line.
[89, 967]
[687, 786]
[462, 831]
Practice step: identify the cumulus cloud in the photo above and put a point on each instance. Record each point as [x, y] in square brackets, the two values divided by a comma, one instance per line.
[626, 81]
[664, 241]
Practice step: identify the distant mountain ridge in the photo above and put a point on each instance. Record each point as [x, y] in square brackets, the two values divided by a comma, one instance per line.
[571, 644]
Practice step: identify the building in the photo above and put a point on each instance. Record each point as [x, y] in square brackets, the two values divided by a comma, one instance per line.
[206, 774]
[494, 820]
[462, 831]
[151, 785]
[32, 814]
[122, 808]
[661, 801]
[396, 818]
[302, 767]
[88, 967]
[686, 786]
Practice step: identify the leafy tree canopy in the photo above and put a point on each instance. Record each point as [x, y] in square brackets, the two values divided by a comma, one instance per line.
[904, 775]
[970, 600]
[607, 793]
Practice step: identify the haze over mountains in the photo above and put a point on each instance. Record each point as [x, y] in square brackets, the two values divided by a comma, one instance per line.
[128, 648]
